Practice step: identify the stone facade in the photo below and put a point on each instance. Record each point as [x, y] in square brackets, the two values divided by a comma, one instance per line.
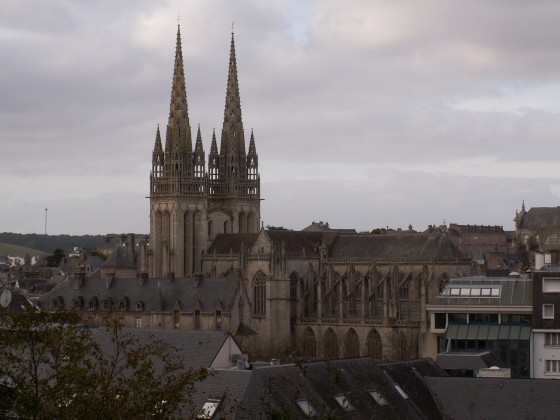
[190, 205]
[322, 293]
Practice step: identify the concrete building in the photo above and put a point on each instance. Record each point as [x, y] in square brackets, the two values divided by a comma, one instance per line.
[479, 314]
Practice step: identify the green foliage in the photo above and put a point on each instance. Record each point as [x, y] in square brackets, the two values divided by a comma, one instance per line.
[47, 243]
[51, 367]
[56, 257]
[268, 227]
[379, 231]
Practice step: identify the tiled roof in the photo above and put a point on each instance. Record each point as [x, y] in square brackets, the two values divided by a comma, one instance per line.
[493, 398]
[296, 241]
[231, 242]
[318, 383]
[155, 294]
[468, 360]
[198, 348]
[541, 217]
[394, 246]
[513, 291]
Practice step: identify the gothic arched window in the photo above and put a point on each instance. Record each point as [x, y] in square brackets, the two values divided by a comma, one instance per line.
[309, 343]
[374, 347]
[259, 294]
[351, 344]
[331, 344]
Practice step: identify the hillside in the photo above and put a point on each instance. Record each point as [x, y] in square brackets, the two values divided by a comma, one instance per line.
[49, 243]
[17, 250]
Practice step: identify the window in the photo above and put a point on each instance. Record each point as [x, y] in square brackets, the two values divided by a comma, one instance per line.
[106, 305]
[259, 295]
[138, 322]
[552, 339]
[344, 403]
[440, 321]
[551, 285]
[218, 320]
[92, 305]
[378, 398]
[306, 407]
[548, 311]
[139, 306]
[552, 366]
[208, 409]
[197, 319]
[401, 391]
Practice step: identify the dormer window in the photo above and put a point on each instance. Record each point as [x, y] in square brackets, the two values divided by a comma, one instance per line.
[123, 304]
[92, 304]
[106, 305]
[140, 306]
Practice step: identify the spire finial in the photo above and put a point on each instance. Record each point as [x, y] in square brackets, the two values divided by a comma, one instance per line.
[232, 26]
[178, 19]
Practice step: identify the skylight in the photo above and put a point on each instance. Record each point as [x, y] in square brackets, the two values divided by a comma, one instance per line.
[208, 410]
[401, 391]
[344, 403]
[306, 407]
[378, 398]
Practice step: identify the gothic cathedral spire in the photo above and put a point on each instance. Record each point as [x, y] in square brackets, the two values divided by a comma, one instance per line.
[188, 206]
[178, 126]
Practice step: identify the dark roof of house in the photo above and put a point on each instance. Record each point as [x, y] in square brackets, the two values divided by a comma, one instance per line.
[496, 398]
[16, 302]
[511, 291]
[295, 241]
[410, 376]
[324, 227]
[462, 229]
[468, 360]
[226, 243]
[541, 217]
[394, 246]
[279, 388]
[118, 257]
[198, 348]
[156, 295]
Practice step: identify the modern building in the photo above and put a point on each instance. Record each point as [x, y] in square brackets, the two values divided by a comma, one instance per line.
[478, 314]
[546, 323]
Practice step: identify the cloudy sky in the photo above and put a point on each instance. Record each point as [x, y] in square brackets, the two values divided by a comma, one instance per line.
[365, 113]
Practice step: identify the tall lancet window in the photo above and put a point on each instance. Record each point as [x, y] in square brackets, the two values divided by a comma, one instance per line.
[259, 294]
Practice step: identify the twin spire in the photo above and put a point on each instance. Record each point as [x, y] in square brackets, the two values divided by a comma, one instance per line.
[231, 164]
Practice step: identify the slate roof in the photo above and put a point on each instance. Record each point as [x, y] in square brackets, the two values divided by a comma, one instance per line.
[394, 246]
[461, 229]
[198, 348]
[496, 398]
[280, 387]
[514, 291]
[118, 257]
[468, 360]
[226, 243]
[541, 217]
[18, 303]
[295, 241]
[157, 295]
[411, 377]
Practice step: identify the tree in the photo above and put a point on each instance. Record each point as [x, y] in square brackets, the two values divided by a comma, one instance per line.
[56, 257]
[52, 367]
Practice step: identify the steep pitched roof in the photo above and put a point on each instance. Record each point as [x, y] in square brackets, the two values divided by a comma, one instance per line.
[394, 246]
[296, 241]
[156, 294]
[198, 348]
[226, 243]
[318, 383]
[493, 398]
[541, 217]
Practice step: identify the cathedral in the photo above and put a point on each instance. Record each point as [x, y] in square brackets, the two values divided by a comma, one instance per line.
[210, 265]
[190, 204]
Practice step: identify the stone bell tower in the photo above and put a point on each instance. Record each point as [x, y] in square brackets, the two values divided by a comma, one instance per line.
[188, 206]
